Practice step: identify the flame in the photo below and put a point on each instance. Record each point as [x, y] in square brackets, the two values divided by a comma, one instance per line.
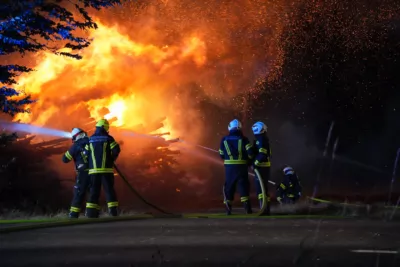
[70, 85]
[158, 61]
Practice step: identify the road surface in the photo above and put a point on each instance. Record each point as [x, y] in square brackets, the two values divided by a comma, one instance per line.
[207, 242]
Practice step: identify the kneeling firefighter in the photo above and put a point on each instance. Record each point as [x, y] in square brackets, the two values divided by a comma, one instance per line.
[79, 153]
[289, 191]
[235, 149]
[103, 152]
[262, 162]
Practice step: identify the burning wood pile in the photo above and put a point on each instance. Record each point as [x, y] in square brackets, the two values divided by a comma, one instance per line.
[27, 179]
[27, 172]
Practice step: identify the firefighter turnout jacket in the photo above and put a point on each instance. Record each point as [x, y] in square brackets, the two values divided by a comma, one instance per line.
[235, 149]
[262, 151]
[79, 153]
[290, 187]
[103, 152]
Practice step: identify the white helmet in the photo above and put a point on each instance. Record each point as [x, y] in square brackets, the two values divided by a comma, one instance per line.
[77, 133]
[288, 170]
[259, 128]
[235, 124]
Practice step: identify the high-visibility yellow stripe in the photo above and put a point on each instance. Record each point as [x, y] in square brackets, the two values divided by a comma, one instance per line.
[233, 161]
[93, 157]
[113, 144]
[84, 157]
[263, 150]
[68, 155]
[240, 149]
[92, 206]
[86, 147]
[112, 204]
[228, 150]
[227, 201]
[244, 199]
[260, 196]
[103, 162]
[221, 152]
[101, 170]
[282, 186]
[248, 146]
[290, 195]
[74, 209]
[262, 164]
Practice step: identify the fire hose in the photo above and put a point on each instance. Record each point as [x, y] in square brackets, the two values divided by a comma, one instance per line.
[138, 195]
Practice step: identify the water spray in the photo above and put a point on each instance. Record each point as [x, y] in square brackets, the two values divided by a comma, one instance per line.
[333, 160]
[216, 151]
[328, 139]
[28, 128]
[396, 163]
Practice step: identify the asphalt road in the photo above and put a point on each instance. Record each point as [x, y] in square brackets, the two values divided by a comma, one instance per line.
[207, 242]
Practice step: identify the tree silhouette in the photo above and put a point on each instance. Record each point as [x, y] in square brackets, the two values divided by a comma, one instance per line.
[37, 25]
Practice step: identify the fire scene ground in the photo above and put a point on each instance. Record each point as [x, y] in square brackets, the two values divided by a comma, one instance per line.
[208, 242]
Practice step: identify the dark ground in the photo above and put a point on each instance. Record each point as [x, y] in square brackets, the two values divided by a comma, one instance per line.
[206, 242]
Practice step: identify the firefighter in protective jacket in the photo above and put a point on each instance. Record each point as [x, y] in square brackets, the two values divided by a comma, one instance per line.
[289, 190]
[103, 152]
[235, 150]
[262, 162]
[79, 153]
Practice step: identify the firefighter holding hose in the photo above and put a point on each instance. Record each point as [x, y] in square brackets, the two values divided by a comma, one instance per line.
[103, 151]
[78, 152]
[262, 163]
[235, 149]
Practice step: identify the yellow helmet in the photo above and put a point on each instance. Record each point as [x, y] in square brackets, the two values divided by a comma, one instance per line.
[103, 123]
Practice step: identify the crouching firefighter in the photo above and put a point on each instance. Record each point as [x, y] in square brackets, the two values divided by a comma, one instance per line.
[79, 153]
[103, 152]
[235, 150]
[262, 154]
[289, 190]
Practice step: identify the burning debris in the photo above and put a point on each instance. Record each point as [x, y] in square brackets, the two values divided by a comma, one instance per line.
[149, 161]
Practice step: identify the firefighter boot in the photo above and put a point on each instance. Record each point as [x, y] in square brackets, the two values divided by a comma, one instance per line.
[228, 207]
[73, 215]
[113, 211]
[247, 207]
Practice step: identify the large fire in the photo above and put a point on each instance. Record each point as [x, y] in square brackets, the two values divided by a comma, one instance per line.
[155, 61]
[115, 75]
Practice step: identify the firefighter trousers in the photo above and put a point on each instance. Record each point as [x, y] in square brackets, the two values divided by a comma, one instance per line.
[92, 205]
[81, 187]
[265, 173]
[236, 175]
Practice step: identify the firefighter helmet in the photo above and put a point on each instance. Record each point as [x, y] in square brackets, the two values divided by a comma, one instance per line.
[287, 170]
[103, 123]
[77, 133]
[235, 125]
[259, 128]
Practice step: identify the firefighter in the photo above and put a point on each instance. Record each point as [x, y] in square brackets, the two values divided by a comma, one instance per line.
[235, 149]
[79, 153]
[289, 190]
[262, 154]
[103, 152]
